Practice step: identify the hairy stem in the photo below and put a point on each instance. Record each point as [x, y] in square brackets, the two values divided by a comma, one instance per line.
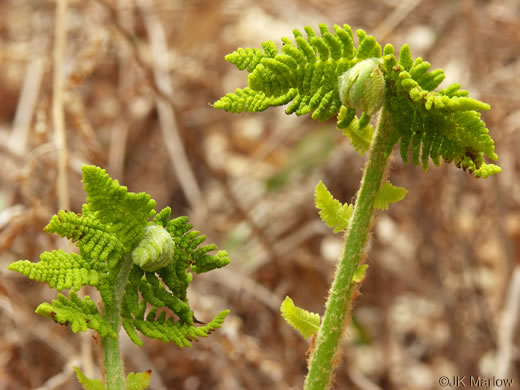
[322, 360]
[114, 371]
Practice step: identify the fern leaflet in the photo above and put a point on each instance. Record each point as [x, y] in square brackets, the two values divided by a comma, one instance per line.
[387, 194]
[303, 321]
[332, 212]
[79, 314]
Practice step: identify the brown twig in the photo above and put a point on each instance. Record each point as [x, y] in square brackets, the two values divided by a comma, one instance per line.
[193, 144]
[57, 105]
[167, 117]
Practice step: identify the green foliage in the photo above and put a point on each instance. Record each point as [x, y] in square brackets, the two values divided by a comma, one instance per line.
[358, 131]
[332, 212]
[134, 381]
[138, 381]
[179, 332]
[61, 270]
[303, 321]
[138, 266]
[88, 384]
[328, 76]
[435, 124]
[79, 314]
[387, 194]
[305, 73]
[360, 273]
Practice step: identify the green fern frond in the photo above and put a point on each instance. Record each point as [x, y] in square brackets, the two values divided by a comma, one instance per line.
[115, 236]
[303, 321]
[435, 124]
[95, 240]
[126, 213]
[388, 193]
[247, 100]
[168, 330]
[79, 314]
[359, 132]
[61, 270]
[305, 72]
[188, 243]
[332, 212]
[153, 292]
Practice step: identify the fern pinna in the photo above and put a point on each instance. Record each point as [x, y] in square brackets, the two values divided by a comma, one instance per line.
[305, 74]
[140, 267]
[328, 76]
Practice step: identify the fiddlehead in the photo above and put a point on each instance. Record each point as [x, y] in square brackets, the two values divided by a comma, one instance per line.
[328, 76]
[138, 266]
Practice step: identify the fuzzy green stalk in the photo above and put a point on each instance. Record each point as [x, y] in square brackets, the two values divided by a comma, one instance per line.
[114, 370]
[322, 360]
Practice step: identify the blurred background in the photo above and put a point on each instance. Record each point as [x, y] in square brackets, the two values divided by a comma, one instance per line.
[442, 290]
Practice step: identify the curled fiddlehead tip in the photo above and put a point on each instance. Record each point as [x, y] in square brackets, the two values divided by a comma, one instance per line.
[363, 86]
[155, 250]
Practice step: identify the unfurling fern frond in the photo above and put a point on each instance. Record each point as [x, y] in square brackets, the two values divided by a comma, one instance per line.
[435, 124]
[332, 212]
[135, 263]
[329, 76]
[303, 321]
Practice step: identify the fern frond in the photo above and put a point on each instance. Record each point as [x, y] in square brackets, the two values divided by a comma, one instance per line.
[94, 238]
[61, 270]
[188, 244]
[332, 212]
[435, 124]
[304, 72]
[359, 132]
[168, 330]
[126, 213]
[303, 321]
[135, 263]
[247, 100]
[79, 314]
[388, 193]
